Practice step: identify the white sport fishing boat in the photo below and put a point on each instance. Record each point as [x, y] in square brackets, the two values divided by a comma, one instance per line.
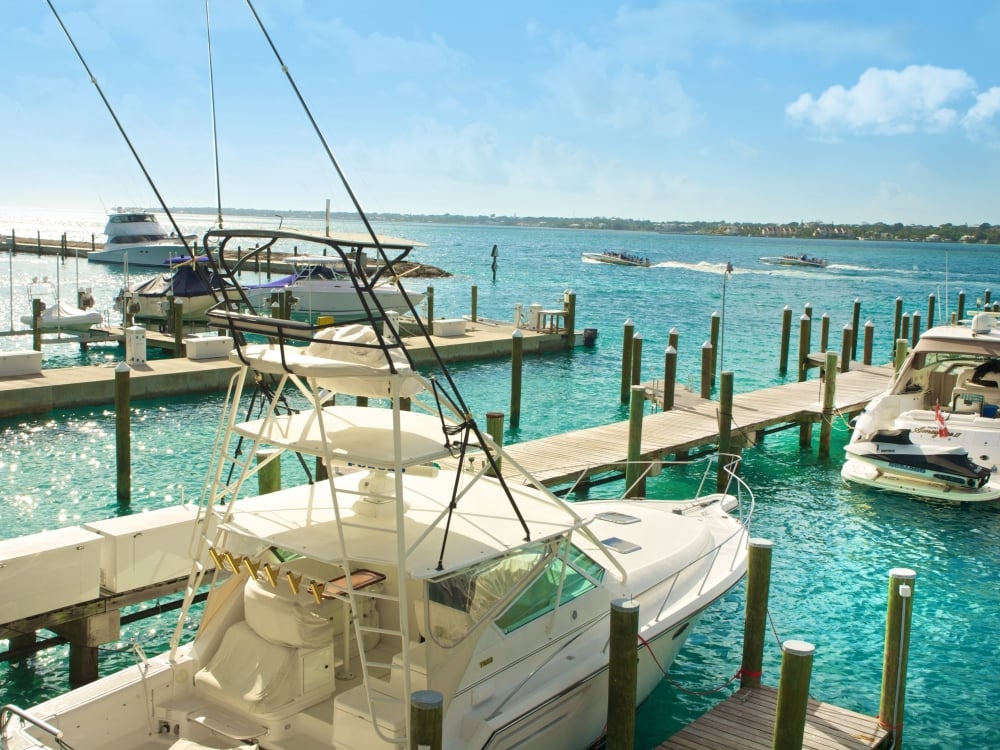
[935, 433]
[421, 557]
[137, 238]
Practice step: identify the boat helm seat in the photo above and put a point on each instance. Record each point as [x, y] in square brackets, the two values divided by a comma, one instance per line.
[277, 660]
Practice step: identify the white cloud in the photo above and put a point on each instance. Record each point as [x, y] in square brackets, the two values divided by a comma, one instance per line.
[982, 121]
[887, 102]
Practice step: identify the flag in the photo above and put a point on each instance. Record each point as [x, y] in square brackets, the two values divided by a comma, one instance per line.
[939, 417]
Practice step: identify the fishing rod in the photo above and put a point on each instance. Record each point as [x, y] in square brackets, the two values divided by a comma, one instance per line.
[121, 130]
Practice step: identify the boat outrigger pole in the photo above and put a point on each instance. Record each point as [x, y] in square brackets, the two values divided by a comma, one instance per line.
[121, 130]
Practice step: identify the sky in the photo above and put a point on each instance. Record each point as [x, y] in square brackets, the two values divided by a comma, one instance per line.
[837, 111]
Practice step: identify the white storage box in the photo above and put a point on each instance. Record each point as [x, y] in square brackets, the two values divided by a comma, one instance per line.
[46, 571]
[449, 327]
[28, 362]
[145, 548]
[208, 347]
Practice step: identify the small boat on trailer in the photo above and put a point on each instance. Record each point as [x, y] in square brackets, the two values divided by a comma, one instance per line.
[804, 261]
[618, 258]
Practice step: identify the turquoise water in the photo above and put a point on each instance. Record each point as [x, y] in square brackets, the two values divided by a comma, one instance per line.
[834, 545]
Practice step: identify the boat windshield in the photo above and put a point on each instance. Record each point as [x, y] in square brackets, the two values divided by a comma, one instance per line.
[514, 590]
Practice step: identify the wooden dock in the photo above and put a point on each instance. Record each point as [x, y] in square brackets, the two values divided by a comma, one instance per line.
[745, 721]
[71, 387]
[694, 423]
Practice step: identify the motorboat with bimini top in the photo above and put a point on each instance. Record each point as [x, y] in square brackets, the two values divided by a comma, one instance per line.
[617, 258]
[420, 555]
[58, 314]
[137, 238]
[322, 286]
[795, 260]
[934, 433]
[409, 551]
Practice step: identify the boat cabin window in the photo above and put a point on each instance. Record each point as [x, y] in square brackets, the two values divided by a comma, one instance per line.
[537, 572]
[573, 571]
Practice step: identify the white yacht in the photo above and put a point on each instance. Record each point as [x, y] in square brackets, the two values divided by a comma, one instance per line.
[935, 433]
[138, 239]
[419, 557]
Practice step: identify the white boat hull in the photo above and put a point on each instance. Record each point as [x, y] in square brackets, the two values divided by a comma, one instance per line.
[863, 473]
[153, 255]
[338, 299]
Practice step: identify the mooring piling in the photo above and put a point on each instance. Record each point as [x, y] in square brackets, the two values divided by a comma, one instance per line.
[897, 650]
[623, 653]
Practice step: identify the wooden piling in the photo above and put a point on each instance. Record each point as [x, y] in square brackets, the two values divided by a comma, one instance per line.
[429, 298]
[673, 339]
[426, 720]
[516, 366]
[824, 332]
[829, 400]
[793, 695]
[899, 353]
[805, 340]
[36, 324]
[897, 649]
[494, 427]
[706, 370]
[855, 327]
[869, 342]
[725, 429]
[626, 383]
[960, 314]
[846, 348]
[177, 322]
[931, 304]
[713, 337]
[269, 474]
[904, 329]
[635, 482]
[636, 376]
[474, 312]
[569, 305]
[759, 553]
[786, 335]
[916, 327]
[897, 318]
[123, 434]
[669, 377]
[623, 655]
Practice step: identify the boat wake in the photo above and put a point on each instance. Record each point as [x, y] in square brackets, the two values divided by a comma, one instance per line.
[701, 266]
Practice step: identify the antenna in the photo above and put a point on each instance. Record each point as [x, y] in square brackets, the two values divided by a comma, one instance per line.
[121, 130]
[215, 133]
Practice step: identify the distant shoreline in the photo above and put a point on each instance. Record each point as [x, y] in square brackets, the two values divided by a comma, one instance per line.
[982, 234]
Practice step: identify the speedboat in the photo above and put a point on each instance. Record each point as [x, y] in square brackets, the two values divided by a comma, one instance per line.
[194, 283]
[934, 433]
[795, 260]
[419, 556]
[322, 286]
[57, 313]
[618, 258]
[137, 238]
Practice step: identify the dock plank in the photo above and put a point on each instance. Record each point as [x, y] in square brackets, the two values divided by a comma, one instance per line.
[745, 721]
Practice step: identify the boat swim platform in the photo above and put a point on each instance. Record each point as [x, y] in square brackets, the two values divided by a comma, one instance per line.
[75, 387]
[693, 424]
[745, 721]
